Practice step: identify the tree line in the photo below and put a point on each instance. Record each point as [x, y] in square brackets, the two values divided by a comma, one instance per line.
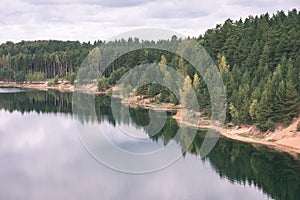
[261, 56]
[41, 59]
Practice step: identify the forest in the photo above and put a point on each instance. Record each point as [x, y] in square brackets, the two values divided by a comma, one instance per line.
[258, 59]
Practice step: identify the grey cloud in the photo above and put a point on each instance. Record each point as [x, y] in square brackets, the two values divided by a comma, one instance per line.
[117, 3]
[101, 19]
[261, 3]
[192, 9]
[177, 14]
[252, 3]
[103, 3]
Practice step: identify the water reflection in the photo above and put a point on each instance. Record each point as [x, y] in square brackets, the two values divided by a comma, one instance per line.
[42, 158]
[12, 90]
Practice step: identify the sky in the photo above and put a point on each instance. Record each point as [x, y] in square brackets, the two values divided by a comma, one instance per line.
[90, 20]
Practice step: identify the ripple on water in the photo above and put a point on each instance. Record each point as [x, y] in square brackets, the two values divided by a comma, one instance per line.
[12, 90]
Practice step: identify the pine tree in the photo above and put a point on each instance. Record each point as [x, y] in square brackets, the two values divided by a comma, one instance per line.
[253, 109]
[163, 60]
[263, 112]
[291, 97]
[234, 114]
[186, 93]
[182, 68]
[196, 81]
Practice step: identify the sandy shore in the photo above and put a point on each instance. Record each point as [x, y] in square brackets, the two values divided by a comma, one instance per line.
[290, 144]
[282, 139]
[63, 87]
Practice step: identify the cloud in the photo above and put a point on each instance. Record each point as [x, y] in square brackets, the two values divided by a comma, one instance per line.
[261, 3]
[178, 9]
[104, 3]
[88, 20]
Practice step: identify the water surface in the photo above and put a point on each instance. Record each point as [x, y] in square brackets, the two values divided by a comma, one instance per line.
[42, 157]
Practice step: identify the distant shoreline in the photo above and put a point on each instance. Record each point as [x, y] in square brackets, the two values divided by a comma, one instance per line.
[282, 139]
[63, 87]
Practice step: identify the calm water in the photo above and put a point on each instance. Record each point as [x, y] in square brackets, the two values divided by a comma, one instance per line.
[41, 157]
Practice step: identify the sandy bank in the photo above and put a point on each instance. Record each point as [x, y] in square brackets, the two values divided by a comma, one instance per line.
[282, 139]
[63, 87]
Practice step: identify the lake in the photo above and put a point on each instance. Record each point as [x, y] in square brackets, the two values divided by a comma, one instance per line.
[43, 157]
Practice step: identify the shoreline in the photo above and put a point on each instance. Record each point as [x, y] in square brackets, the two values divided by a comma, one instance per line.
[282, 145]
[282, 139]
[63, 87]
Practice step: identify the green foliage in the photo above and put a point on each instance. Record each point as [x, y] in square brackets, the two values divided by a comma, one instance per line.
[234, 113]
[102, 84]
[263, 84]
[55, 80]
[20, 77]
[6, 75]
[71, 77]
[253, 109]
[36, 77]
[270, 125]
[53, 58]
[116, 75]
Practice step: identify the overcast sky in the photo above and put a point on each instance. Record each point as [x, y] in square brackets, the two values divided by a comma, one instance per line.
[89, 20]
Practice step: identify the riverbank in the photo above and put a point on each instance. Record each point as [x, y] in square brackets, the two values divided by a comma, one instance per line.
[63, 87]
[282, 139]
[287, 139]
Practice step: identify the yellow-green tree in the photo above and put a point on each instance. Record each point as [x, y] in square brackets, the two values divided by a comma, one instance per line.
[186, 93]
[196, 81]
